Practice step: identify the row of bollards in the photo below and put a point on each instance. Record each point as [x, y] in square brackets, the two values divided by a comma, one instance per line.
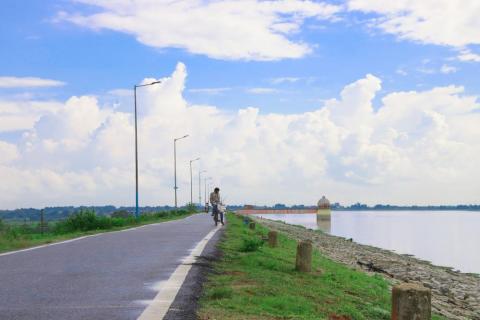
[409, 301]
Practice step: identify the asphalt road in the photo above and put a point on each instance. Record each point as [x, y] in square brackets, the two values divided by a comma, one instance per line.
[109, 276]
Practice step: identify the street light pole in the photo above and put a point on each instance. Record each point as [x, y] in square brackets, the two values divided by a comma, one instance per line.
[136, 142]
[209, 178]
[175, 165]
[200, 186]
[191, 180]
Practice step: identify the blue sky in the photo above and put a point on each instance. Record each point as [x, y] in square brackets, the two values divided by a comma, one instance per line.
[279, 57]
[96, 61]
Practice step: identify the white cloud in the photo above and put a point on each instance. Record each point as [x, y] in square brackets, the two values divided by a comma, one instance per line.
[8, 152]
[401, 72]
[210, 91]
[441, 22]
[229, 29]
[28, 82]
[262, 90]
[446, 69]
[468, 55]
[418, 147]
[23, 114]
[281, 80]
[121, 92]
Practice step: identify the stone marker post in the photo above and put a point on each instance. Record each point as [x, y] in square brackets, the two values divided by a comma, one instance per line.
[272, 239]
[304, 256]
[252, 225]
[411, 301]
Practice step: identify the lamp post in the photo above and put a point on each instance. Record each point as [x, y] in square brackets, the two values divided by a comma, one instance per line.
[175, 165]
[136, 141]
[200, 186]
[206, 200]
[191, 180]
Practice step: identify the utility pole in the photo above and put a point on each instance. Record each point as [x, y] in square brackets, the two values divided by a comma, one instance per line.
[191, 180]
[199, 186]
[175, 166]
[136, 141]
[42, 221]
[206, 199]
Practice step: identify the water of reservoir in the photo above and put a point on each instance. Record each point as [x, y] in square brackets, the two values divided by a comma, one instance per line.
[446, 238]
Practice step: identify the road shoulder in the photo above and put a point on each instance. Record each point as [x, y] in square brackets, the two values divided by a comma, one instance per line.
[186, 302]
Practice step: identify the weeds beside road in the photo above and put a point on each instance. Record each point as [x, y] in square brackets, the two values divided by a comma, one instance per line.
[14, 236]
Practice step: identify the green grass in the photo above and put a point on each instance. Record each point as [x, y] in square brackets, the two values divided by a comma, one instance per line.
[257, 282]
[15, 235]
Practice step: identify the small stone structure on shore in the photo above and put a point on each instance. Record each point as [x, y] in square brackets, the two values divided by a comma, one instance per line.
[323, 209]
[323, 215]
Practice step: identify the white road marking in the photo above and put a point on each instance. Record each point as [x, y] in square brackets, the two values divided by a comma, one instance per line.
[166, 295]
[89, 236]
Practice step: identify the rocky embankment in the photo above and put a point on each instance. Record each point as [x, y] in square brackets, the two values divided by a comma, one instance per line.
[455, 295]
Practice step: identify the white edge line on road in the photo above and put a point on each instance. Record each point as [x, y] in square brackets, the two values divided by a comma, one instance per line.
[89, 236]
[159, 306]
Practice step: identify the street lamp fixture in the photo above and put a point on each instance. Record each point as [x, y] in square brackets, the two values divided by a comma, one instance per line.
[191, 180]
[175, 165]
[136, 141]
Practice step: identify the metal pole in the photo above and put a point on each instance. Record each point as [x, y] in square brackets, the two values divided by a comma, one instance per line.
[42, 221]
[175, 169]
[191, 183]
[136, 142]
[191, 180]
[175, 165]
[200, 186]
[136, 153]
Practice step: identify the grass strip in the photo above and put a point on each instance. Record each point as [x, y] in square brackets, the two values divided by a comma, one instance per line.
[16, 236]
[253, 281]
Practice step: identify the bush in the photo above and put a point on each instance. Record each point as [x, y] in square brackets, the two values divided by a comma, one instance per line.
[191, 208]
[87, 220]
[121, 214]
[84, 220]
[11, 233]
[251, 245]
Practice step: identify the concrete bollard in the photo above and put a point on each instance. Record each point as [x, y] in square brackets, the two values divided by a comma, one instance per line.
[411, 301]
[304, 256]
[252, 226]
[272, 239]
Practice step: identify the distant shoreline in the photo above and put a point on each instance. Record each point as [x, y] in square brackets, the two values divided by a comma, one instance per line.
[409, 209]
[61, 212]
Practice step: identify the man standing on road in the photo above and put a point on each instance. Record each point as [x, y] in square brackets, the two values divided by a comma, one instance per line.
[215, 201]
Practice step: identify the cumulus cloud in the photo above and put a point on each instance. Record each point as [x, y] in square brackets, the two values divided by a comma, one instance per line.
[230, 29]
[28, 82]
[452, 23]
[23, 114]
[416, 147]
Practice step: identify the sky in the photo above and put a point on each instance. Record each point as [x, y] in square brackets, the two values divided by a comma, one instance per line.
[284, 101]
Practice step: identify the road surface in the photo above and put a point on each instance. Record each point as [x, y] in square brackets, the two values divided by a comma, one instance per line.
[109, 276]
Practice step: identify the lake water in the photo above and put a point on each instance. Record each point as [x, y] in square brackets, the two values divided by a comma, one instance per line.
[446, 238]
